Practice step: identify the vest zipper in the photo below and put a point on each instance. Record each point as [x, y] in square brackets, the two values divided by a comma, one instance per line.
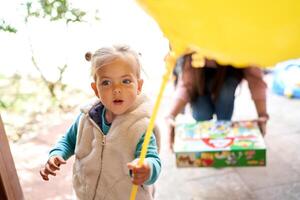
[98, 178]
[103, 145]
[103, 141]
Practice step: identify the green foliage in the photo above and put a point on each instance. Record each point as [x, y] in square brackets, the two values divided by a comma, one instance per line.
[26, 106]
[54, 10]
[51, 9]
[24, 100]
[12, 96]
[6, 27]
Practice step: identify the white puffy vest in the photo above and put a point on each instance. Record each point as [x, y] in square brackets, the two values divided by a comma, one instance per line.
[100, 171]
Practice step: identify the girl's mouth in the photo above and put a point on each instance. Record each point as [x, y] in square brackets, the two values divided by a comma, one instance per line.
[118, 102]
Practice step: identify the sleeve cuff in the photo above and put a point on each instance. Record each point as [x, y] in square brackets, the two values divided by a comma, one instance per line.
[57, 153]
[149, 181]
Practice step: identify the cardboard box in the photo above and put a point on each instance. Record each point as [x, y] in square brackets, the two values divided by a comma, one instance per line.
[219, 144]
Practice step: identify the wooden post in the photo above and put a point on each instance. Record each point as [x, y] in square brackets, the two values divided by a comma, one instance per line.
[10, 188]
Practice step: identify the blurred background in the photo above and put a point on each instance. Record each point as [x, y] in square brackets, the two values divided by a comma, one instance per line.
[44, 79]
[43, 46]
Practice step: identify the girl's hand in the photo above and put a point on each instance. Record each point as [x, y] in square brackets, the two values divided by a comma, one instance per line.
[140, 174]
[51, 166]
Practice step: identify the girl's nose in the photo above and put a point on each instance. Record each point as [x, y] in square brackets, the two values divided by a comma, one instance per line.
[117, 90]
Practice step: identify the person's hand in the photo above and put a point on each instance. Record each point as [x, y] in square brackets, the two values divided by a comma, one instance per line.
[170, 121]
[262, 124]
[171, 135]
[140, 174]
[51, 166]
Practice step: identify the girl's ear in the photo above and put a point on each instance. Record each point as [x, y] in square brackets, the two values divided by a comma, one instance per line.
[94, 87]
[140, 86]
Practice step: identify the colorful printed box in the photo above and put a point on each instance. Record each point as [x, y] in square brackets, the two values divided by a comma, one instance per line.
[219, 144]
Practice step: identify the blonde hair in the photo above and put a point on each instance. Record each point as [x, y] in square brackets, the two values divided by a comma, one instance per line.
[106, 55]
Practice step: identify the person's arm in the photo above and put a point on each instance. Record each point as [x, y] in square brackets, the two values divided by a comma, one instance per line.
[263, 116]
[65, 147]
[180, 99]
[183, 89]
[178, 104]
[61, 152]
[258, 88]
[152, 158]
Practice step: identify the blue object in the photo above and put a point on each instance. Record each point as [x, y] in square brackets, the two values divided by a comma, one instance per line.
[286, 80]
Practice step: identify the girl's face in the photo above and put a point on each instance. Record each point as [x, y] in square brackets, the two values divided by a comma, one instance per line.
[117, 85]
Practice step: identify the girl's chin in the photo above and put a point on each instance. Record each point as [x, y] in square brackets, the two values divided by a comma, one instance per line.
[119, 112]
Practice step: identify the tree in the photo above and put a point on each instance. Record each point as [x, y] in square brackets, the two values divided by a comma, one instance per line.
[53, 10]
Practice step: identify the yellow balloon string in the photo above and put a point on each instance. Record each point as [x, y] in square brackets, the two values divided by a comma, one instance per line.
[170, 62]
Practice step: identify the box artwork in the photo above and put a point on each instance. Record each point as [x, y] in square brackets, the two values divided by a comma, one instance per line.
[219, 144]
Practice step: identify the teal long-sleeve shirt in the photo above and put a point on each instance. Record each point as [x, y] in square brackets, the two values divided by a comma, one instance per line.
[65, 147]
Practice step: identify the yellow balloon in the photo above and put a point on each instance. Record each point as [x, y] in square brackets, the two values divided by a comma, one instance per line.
[237, 32]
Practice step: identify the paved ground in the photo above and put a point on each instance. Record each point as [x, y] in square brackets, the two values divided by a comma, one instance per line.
[280, 179]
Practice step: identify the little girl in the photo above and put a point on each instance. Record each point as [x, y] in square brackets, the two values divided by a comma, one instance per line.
[107, 136]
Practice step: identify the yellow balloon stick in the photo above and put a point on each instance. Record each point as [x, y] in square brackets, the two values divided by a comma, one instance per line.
[170, 62]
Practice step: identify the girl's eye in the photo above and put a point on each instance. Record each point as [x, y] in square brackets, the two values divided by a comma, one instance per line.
[105, 82]
[126, 81]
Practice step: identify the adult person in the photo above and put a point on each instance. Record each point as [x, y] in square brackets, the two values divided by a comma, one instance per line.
[210, 90]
